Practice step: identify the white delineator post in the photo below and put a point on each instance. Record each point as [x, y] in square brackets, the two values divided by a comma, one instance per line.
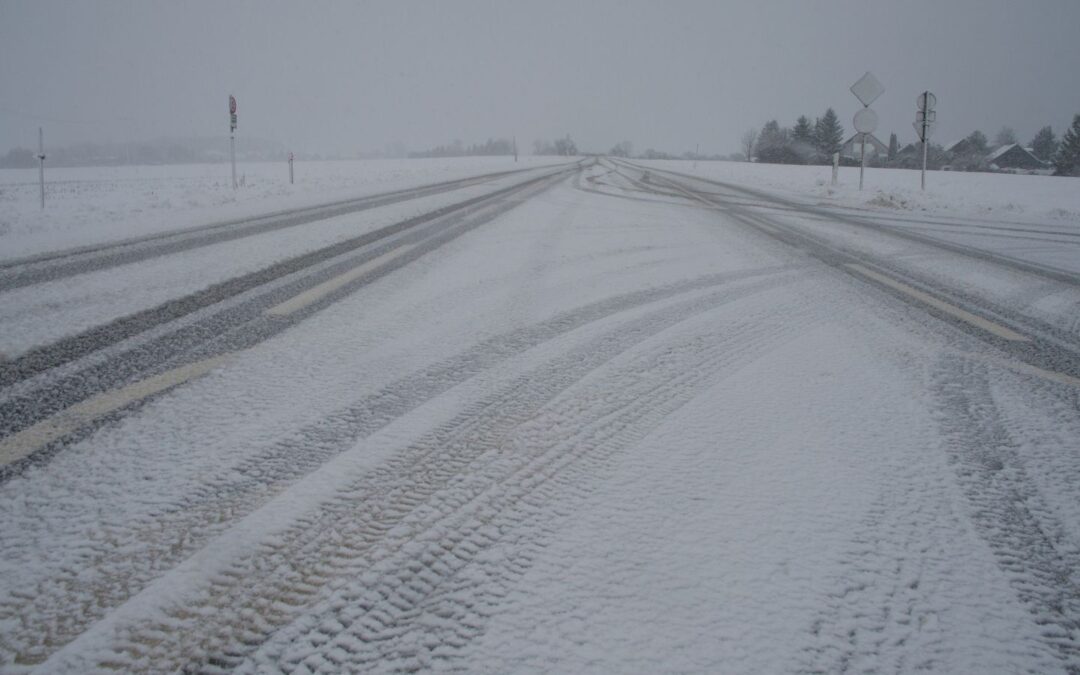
[290, 169]
[232, 137]
[41, 163]
[835, 166]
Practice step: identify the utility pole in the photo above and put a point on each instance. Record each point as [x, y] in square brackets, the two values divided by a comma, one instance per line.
[925, 122]
[290, 168]
[41, 163]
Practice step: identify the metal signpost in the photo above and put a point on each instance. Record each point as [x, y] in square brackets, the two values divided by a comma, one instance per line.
[41, 163]
[867, 89]
[290, 169]
[232, 137]
[925, 123]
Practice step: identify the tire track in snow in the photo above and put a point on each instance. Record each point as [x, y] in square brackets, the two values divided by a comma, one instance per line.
[429, 482]
[55, 606]
[1007, 509]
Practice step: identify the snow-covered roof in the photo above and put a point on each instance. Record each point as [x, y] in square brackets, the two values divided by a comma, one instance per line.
[1002, 150]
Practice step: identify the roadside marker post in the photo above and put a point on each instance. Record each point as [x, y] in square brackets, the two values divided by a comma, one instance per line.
[835, 167]
[290, 168]
[41, 163]
[232, 137]
[867, 89]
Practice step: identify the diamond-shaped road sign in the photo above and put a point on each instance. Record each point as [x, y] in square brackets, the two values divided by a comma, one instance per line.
[867, 89]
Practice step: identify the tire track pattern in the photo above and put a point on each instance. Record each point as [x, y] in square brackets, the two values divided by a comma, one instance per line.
[57, 607]
[1007, 509]
[450, 493]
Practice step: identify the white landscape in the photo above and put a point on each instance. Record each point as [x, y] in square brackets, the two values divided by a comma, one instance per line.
[505, 401]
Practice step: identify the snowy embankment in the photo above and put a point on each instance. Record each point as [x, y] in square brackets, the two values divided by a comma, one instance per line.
[948, 193]
[91, 205]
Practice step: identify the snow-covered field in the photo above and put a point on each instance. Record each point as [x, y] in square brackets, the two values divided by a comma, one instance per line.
[606, 430]
[948, 193]
[96, 204]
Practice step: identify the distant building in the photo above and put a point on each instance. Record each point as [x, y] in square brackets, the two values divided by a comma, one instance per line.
[852, 147]
[1016, 157]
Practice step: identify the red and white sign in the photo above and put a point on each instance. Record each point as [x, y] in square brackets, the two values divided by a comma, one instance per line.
[232, 105]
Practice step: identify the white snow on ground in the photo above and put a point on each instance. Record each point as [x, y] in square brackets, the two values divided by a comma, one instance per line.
[43, 313]
[92, 205]
[948, 193]
[597, 434]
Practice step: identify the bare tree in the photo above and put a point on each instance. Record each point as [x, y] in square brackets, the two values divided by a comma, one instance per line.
[747, 142]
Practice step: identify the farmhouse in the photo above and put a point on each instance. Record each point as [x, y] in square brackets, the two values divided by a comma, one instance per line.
[852, 147]
[1014, 156]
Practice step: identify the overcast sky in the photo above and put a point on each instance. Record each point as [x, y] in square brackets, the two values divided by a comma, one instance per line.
[337, 76]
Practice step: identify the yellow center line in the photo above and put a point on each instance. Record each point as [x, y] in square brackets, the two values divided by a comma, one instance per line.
[926, 298]
[27, 441]
[324, 289]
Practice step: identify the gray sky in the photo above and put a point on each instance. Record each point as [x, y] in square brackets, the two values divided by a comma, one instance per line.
[323, 76]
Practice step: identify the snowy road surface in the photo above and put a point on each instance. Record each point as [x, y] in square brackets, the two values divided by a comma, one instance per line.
[600, 417]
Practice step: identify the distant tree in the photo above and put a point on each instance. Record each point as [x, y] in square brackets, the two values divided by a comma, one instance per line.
[565, 146]
[1044, 144]
[894, 147]
[802, 131]
[1006, 136]
[748, 142]
[1067, 160]
[19, 158]
[622, 149]
[978, 142]
[828, 134]
[780, 154]
[771, 136]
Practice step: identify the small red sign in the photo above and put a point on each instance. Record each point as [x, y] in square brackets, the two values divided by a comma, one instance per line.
[232, 105]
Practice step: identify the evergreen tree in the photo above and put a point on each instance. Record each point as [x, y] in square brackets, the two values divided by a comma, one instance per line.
[894, 147]
[1067, 161]
[1044, 144]
[828, 134]
[803, 132]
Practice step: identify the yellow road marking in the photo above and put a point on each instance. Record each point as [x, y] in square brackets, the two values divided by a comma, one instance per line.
[974, 320]
[324, 289]
[25, 442]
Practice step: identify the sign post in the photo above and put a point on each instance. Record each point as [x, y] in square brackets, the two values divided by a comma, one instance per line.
[925, 121]
[867, 89]
[290, 168]
[232, 137]
[41, 163]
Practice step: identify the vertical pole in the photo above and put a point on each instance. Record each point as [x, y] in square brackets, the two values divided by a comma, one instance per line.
[835, 167]
[515, 149]
[697, 147]
[232, 154]
[41, 163]
[925, 143]
[290, 169]
[862, 161]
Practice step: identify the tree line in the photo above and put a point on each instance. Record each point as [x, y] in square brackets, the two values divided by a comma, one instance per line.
[815, 142]
[491, 147]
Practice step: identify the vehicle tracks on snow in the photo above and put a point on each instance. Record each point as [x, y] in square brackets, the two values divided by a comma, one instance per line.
[456, 461]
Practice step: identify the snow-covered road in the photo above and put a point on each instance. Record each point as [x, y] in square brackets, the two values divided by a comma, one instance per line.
[606, 420]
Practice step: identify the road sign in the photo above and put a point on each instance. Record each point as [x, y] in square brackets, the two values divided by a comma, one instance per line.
[919, 130]
[232, 105]
[867, 89]
[926, 101]
[927, 115]
[866, 121]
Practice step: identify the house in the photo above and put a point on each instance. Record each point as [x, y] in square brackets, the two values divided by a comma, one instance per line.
[852, 147]
[1016, 157]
